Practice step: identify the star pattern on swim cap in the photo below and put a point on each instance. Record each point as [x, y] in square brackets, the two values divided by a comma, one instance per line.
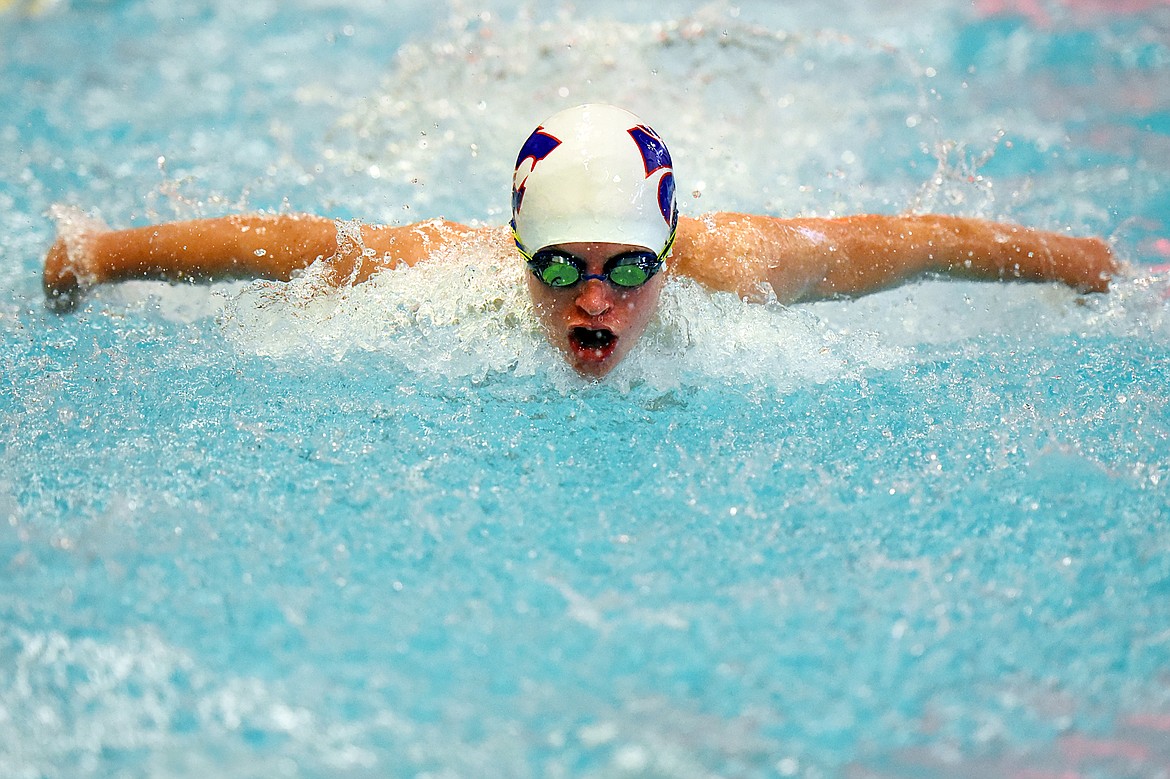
[654, 153]
[538, 146]
[655, 157]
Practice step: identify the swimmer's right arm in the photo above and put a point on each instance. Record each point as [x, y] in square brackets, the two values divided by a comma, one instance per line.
[244, 246]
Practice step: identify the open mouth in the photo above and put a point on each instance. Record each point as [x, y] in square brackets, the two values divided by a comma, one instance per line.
[595, 344]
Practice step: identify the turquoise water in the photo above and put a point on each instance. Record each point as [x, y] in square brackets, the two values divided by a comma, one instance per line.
[254, 531]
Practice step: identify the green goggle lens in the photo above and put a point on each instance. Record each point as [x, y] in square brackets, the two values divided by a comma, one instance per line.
[560, 274]
[629, 275]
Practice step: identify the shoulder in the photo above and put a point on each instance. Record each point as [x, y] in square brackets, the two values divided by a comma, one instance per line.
[715, 250]
[756, 257]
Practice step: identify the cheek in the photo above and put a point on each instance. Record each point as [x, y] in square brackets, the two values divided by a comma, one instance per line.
[543, 303]
[640, 308]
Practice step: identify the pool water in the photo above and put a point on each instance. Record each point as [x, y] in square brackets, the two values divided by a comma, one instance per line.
[257, 530]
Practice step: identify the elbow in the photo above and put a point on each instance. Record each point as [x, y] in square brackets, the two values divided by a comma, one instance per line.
[1092, 267]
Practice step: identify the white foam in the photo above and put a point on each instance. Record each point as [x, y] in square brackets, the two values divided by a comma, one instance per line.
[463, 313]
[467, 315]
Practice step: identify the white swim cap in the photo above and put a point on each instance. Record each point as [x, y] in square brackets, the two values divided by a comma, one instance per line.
[594, 173]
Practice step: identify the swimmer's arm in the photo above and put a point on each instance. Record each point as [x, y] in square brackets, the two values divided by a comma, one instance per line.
[808, 259]
[245, 246]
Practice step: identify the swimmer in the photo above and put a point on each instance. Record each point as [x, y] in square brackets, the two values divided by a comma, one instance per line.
[595, 219]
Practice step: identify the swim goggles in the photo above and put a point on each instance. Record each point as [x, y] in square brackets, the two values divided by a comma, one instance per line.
[559, 269]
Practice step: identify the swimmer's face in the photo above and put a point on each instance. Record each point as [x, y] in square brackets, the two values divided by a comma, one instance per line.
[595, 323]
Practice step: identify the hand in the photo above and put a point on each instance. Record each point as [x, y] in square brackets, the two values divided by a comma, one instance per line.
[63, 288]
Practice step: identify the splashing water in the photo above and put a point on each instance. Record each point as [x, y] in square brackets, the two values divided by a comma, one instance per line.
[274, 530]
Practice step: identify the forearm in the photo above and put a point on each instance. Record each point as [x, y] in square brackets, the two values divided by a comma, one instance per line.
[866, 253]
[245, 246]
[207, 249]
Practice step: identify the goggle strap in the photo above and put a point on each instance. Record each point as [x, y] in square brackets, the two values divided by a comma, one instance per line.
[527, 255]
[670, 238]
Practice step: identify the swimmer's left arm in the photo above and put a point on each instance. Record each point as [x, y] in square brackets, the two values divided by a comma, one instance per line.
[869, 253]
[808, 259]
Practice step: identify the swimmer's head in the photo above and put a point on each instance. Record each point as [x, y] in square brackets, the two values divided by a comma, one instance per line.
[594, 173]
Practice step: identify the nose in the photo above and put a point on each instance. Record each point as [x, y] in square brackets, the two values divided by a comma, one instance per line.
[595, 297]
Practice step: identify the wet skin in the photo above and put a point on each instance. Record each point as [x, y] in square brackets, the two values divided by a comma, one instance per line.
[595, 323]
